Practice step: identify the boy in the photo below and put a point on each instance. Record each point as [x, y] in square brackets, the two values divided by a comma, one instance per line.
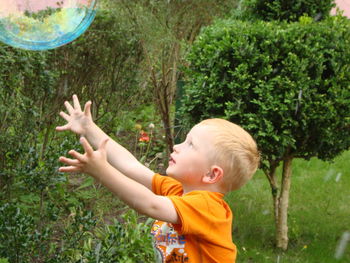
[193, 222]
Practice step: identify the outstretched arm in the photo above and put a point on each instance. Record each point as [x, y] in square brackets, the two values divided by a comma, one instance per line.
[81, 122]
[132, 193]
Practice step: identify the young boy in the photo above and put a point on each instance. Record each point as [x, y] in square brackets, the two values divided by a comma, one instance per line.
[193, 223]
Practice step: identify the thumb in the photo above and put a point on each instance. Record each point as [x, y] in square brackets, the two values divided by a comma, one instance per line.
[62, 128]
[103, 144]
[87, 109]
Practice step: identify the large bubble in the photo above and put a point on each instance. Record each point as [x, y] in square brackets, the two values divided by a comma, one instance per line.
[44, 24]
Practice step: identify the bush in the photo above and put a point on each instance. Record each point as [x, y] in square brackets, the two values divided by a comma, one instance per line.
[288, 84]
[20, 240]
[290, 10]
[121, 242]
[44, 217]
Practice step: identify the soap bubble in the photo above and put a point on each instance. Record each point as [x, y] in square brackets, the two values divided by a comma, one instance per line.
[343, 242]
[44, 24]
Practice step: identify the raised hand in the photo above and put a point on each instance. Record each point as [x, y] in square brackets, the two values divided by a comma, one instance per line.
[77, 120]
[91, 162]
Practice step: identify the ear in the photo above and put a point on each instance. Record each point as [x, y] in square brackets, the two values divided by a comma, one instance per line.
[215, 174]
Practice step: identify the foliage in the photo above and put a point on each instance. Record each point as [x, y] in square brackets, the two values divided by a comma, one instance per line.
[129, 129]
[165, 29]
[34, 86]
[22, 73]
[319, 195]
[20, 240]
[120, 242]
[48, 217]
[287, 84]
[100, 66]
[24, 239]
[289, 10]
[43, 217]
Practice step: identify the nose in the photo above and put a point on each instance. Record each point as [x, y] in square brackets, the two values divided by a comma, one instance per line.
[176, 147]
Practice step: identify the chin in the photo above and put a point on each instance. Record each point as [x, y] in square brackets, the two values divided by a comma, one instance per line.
[168, 172]
[168, 169]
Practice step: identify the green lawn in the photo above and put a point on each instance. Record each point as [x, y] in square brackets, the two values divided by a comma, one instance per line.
[319, 214]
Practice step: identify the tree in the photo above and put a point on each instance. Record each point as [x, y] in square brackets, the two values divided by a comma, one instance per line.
[34, 85]
[23, 74]
[286, 83]
[165, 29]
[100, 66]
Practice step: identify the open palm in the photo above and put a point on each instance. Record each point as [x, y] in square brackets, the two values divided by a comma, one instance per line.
[90, 162]
[77, 120]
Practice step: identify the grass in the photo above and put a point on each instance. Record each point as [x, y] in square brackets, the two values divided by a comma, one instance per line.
[319, 213]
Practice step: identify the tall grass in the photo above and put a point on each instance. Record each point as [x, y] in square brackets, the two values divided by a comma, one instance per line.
[319, 213]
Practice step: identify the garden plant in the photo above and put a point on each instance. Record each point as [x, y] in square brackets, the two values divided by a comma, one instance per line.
[285, 82]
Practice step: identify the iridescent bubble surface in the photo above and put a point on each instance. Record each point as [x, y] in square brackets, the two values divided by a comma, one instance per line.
[44, 24]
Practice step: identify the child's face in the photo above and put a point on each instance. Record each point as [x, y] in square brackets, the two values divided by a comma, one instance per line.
[189, 161]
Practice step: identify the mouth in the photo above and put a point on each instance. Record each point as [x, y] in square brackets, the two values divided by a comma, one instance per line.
[171, 160]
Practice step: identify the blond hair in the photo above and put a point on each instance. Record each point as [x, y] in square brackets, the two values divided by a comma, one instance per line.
[235, 151]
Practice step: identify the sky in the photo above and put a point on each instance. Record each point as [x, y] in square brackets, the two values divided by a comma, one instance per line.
[7, 7]
[343, 5]
[13, 6]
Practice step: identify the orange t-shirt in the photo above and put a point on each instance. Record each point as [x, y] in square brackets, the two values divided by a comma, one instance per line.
[204, 234]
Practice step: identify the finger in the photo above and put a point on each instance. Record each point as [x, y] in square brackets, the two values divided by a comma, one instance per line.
[68, 161]
[69, 169]
[87, 147]
[76, 102]
[103, 144]
[63, 128]
[87, 109]
[69, 107]
[64, 115]
[77, 155]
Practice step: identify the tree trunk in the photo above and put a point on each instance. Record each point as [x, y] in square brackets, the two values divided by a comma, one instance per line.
[282, 205]
[46, 140]
[271, 176]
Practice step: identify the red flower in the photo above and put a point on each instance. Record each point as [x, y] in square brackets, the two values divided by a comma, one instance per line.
[143, 137]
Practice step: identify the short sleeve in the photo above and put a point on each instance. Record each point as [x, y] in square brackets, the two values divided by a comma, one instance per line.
[202, 214]
[165, 185]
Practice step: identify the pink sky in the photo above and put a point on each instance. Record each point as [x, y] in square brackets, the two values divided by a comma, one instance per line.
[13, 6]
[343, 5]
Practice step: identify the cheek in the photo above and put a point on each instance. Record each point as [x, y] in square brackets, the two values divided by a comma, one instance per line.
[193, 166]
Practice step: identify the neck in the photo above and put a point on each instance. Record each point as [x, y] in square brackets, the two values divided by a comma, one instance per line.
[209, 188]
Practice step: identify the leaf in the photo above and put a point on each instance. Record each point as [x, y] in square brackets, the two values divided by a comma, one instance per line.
[89, 181]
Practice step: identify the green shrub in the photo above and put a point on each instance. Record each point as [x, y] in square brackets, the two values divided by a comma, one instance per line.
[20, 241]
[290, 10]
[288, 84]
[123, 241]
